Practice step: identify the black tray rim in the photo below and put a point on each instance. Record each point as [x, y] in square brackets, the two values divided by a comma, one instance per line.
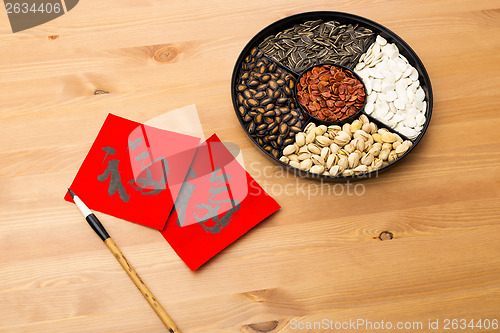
[334, 15]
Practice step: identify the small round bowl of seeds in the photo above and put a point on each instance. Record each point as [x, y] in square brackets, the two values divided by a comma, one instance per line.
[331, 94]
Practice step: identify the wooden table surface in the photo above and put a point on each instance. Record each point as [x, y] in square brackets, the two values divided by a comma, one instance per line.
[320, 257]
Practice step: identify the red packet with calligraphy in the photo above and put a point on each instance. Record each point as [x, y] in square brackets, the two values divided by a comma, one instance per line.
[218, 203]
[134, 171]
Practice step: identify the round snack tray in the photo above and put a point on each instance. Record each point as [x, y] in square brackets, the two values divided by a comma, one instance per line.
[287, 115]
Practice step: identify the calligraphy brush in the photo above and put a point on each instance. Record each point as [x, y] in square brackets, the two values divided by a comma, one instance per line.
[101, 232]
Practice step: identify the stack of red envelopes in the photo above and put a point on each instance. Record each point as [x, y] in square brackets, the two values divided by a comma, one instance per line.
[197, 195]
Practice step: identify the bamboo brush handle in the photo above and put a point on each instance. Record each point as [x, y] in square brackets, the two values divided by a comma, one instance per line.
[165, 318]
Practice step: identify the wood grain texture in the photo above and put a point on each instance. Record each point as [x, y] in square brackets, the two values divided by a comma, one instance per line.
[419, 242]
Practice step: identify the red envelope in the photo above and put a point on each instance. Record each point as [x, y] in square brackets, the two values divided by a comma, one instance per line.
[218, 203]
[134, 171]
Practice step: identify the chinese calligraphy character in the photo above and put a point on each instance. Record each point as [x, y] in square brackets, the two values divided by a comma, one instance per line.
[212, 206]
[148, 186]
[145, 185]
[115, 180]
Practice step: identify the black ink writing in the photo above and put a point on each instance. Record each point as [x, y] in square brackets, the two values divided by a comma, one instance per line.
[148, 185]
[212, 206]
[115, 180]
